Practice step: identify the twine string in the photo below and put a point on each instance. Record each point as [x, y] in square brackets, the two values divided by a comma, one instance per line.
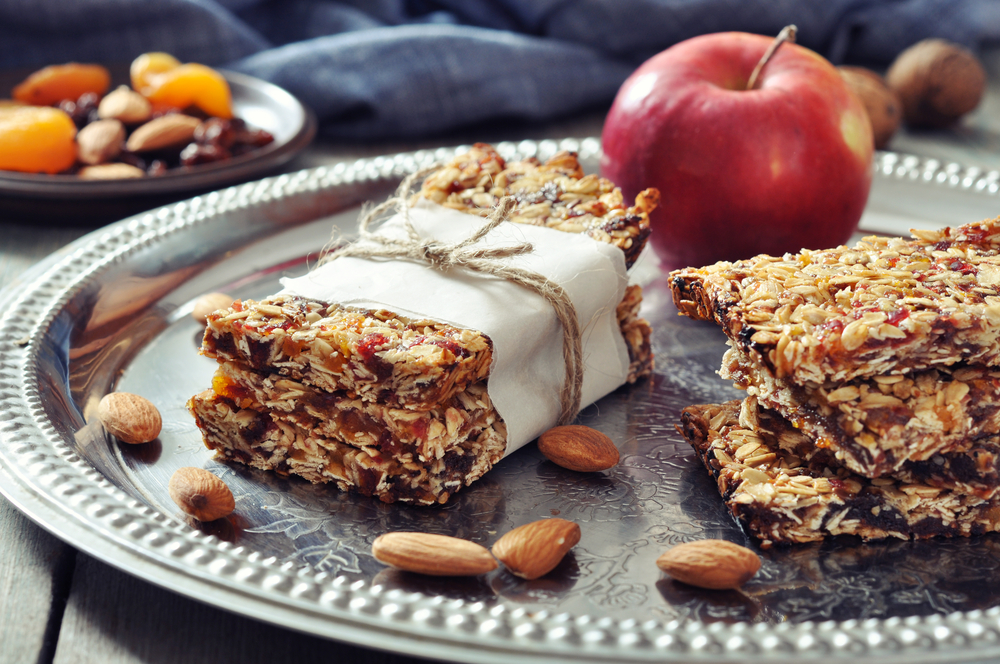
[490, 261]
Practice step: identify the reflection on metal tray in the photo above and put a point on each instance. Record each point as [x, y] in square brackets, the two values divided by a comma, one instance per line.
[111, 311]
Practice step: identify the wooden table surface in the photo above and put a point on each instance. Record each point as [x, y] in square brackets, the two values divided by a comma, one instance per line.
[61, 605]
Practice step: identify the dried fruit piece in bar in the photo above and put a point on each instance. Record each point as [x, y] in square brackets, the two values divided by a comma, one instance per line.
[373, 355]
[555, 194]
[884, 306]
[424, 435]
[780, 498]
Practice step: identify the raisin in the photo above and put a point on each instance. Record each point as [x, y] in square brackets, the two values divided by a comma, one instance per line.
[195, 154]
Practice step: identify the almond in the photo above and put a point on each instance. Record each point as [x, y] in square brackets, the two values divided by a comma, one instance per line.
[579, 448]
[208, 303]
[201, 494]
[711, 563]
[129, 417]
[126, 105]
[100, 141]
[163, 132]
[111, 172]
[436, 555]
[534, 549]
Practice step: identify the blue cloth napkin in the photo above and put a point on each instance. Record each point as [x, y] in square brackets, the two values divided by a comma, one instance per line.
[407, 68]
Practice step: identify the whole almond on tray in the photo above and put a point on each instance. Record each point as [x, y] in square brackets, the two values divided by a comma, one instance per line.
[201, 494]
[578, 448]
[208, 303]
[163, 132]
[129, 417]
[534, 549]
[435, 555]
[712, 563]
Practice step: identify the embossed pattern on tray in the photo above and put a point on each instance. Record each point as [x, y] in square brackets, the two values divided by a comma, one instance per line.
[112, 311]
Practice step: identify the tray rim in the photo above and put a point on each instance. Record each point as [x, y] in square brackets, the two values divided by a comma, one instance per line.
[104, 522]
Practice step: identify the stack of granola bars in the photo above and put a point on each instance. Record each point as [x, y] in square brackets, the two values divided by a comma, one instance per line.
[391, 406]
[872, 376]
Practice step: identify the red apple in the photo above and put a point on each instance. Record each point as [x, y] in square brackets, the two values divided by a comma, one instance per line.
[784, 166]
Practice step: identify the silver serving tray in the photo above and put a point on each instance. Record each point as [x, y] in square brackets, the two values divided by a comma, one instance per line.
[111, 311]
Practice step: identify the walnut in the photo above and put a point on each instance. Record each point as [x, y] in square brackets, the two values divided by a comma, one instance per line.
[937, 82]
[881, 103]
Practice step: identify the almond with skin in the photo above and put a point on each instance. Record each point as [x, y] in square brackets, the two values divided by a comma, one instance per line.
[208, 303]
[435, 555]
[201, 494]
[578, 448]
[163, 132]
[129, 418]
[126, 105]
[711, 563]
[100, 141]
[111, 172]
[534, 549]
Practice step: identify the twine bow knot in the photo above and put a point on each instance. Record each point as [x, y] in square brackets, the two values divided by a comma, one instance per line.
[490, 261]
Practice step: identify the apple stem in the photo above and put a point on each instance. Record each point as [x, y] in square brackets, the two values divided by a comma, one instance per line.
[787, 34]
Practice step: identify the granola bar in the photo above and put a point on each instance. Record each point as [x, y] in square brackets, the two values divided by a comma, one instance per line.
[884, 306]
[973, 467]
[876, 425]
[376, 356]
[637, 334]
[372, 355]
[422, 434]
[780, 498]
[270, 441]
[555, 194]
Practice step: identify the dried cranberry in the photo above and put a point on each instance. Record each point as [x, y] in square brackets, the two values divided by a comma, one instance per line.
[257, 138]
[157, 167]
[215, 131]
[79, 114]
[369, 344]
[897, 317]
[195, 154]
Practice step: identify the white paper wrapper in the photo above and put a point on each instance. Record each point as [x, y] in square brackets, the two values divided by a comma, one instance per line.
[528, 366]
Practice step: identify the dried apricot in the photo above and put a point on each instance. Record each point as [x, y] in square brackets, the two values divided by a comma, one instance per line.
[148, 65]
[57, 82]
[36, 139]
[191, 85]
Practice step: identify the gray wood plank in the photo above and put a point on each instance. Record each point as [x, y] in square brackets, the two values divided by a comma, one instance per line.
[35, 567]
[35, 570]
[114, 618]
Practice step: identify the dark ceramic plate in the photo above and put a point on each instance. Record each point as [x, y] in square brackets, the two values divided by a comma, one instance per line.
[67, 199]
